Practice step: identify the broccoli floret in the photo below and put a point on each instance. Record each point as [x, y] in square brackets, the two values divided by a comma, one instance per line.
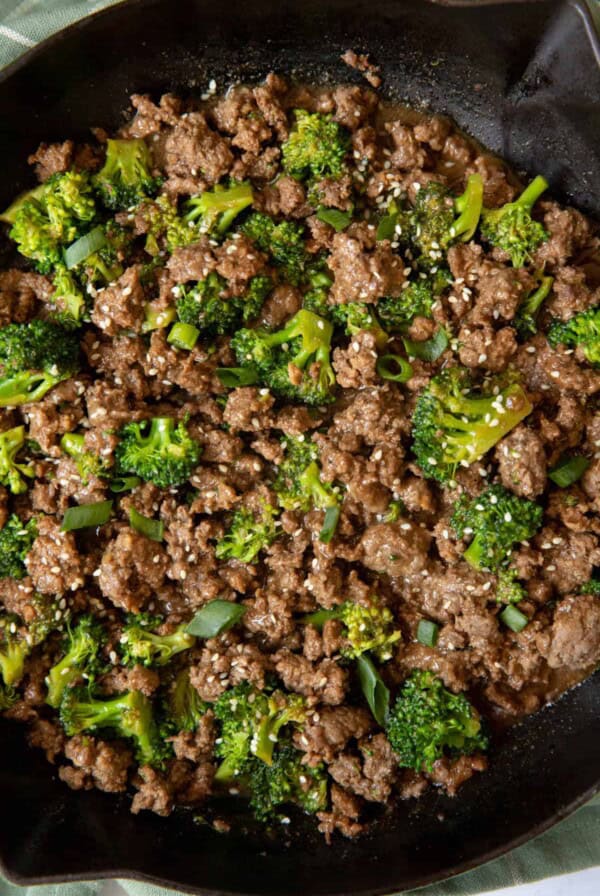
[160, 451]
[298, 481]
[582, 331]
[87, 463]
[34, 357]
[49, 218]
[509, 590]
[206, 307]
[353, 317]
[16, 539]
[68, 297]
[295, 361]
[248, 535]
[165, 228]
[591, 587]
[525, 322]
[367, 628]
[439, 219]
[453, 426]
[428, 722]
[512, 228]
[15, 647]
[125, 179]
[283, 243]
[12, 441]
[104, 265]
[139, 645]
[46, 615]
[397, 312]
[316, 148]
[81, 658]
[214, 211]
[128, 715]
[183, 705]
[251, 722]
[497, 519]
[286, 780]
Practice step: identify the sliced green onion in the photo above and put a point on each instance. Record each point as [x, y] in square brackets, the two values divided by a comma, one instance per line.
[386, 228]
[427, 632]
[320, 617]
[568, 470]
[124, 484]
[153, 529]
[158, 320]
[513, 618]
[394, 367]
[332, 516]
[183, 336]
[87, 516]
[237, 376]
[84, 246]
[334, 217]
[431, 349]
[215, 617]
[374, 689]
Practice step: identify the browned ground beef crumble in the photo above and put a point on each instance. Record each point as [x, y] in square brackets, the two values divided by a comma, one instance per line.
[414, 563]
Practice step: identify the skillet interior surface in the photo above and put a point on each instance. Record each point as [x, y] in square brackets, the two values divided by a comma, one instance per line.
[525, 80]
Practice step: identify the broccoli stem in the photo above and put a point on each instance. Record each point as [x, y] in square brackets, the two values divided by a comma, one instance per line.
[469, 206]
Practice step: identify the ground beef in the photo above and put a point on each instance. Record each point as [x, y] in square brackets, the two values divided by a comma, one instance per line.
[573, 641]
[397, 549]
[54, 563]
[362, 275]
[53, 158]
[522, 462]
[96, 763]
[193, 148]
[121, 307]
[131, 570]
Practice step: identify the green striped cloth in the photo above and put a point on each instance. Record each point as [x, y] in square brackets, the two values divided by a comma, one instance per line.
[570, 846]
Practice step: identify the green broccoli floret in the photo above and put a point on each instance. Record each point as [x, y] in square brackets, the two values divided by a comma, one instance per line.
[251, 722]
[34, 357]
[439, 219]
[68, 296]
[454, 426]
[353, 317]
[581, 331]
[81, 658]
[286, 780]
[125, 179]
[283, 243]
[105, 264]
[15, 647]
[16, 539]
[525, 322]
[294, 362]
[87, 463]
[128, 715]
[47, 614]
[158, 450]
[428, 722]
[50, 217]
[248, 535]
[497, 519]
[12, 441]
[316, 148]
[206, 307]
[183, 705]
[397, 312]
[140, 646]
[214, 211]
[512, 228]
[591, 587]
[509, 589]
[165, 228]
[369, 628]
[298, 481]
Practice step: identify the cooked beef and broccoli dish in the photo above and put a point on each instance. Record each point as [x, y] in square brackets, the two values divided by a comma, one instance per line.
[299, 455]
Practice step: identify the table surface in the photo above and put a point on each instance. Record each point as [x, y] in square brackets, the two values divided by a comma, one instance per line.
[584, 883]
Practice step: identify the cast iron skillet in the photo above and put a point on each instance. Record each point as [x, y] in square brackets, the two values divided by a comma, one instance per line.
[523, 78]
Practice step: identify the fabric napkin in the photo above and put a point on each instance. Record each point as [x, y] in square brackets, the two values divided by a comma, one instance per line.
[570, 846]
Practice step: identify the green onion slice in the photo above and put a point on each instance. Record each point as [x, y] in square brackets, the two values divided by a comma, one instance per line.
[158, 320]
[332, 516]
[394, 367]
[183, 336]
[84, 246]
[337, 219]
[376, 693]
[215, 617]
[87, 516]
[386, 228]
[431, 349]
[124, 484]
[568, 470]
[427, 632]
[153, 529]
[237, 376]
[513, 618]
[320, 617]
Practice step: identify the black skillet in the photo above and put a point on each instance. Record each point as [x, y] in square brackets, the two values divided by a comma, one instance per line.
[524, 78]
